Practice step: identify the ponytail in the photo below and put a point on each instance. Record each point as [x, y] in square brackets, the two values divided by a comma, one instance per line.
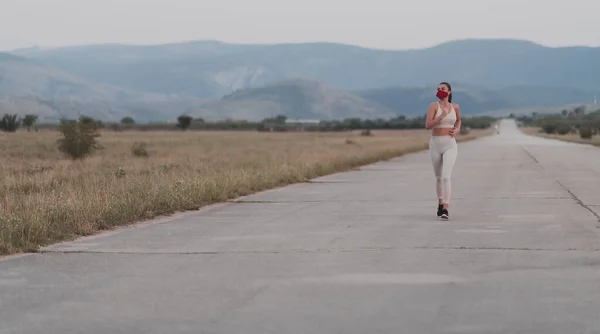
[450, 98]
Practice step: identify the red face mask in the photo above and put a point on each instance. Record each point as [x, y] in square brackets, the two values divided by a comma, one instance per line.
[441, 94]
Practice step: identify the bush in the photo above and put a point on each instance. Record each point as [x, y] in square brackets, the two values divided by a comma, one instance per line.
[9, 123]
[139, 150]
[79, 138]
[585, 132]
[563, 129]
[366, 133]
[549, 128]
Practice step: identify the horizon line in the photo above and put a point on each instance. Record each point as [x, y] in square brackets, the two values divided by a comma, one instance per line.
[215, 41]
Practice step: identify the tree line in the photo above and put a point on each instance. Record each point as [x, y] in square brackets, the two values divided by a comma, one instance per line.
[278, 123]
[575, 120]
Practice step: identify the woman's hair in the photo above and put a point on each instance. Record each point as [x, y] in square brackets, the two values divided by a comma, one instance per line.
[449, 90]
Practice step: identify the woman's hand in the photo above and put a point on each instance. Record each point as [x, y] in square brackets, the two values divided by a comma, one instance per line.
[444, 113]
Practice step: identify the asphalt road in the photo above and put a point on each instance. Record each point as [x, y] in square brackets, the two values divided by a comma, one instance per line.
[357, 252]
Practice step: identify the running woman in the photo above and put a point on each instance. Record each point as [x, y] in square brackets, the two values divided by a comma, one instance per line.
[443, 118]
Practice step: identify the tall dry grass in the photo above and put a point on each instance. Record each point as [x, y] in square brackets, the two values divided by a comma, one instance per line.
[45, 197]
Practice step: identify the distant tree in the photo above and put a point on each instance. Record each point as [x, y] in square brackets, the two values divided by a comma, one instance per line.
[184, 122]
[9, 123]
[276, 123]
[353, 123]
[280, 119]
[564, 113]
[89, 122]
[127, 120]
[29, 120]
[579, 111]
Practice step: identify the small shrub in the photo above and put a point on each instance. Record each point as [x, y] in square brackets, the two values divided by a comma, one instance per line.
[563, 129]
[9, 123]
[120, 173]
[139, 150]
[167, 167]
[79, 139]
[549, 128]
[585, 132]
[366, 133]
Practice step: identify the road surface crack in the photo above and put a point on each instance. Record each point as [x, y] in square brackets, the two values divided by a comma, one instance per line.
[580, 202]
[573, 196]
[530, 155]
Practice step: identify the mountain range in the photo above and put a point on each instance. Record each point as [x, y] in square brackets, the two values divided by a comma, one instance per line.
[216, 80]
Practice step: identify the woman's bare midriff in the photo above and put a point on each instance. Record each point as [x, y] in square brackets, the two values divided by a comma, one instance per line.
[441, 131]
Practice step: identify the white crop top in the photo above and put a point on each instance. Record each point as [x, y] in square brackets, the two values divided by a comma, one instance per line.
[448, 121]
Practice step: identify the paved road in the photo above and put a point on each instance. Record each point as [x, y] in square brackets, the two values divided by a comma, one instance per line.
[357, 252]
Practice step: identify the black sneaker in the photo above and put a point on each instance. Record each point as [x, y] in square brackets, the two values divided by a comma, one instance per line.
[439, 211]
[444, 214]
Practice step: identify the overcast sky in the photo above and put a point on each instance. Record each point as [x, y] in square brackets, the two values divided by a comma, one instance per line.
[387, 24]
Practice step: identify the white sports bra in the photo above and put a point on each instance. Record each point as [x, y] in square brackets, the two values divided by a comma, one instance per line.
[449, 120]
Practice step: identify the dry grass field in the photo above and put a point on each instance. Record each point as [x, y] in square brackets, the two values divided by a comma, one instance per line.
[570, 137]
[45, 197]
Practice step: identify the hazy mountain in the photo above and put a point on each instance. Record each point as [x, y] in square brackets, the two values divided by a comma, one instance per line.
[28, 86]
[160, 82]
[416, 100]
[297, 99]
[23, 77]
[546, 95]
[212, 69]
[475, 100]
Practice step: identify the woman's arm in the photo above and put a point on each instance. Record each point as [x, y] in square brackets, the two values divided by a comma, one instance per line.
[458, 122]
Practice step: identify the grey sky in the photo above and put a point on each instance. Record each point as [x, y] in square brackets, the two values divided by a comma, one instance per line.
[389, 24]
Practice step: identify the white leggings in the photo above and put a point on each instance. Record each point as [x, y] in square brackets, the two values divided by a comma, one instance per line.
[443, 151]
